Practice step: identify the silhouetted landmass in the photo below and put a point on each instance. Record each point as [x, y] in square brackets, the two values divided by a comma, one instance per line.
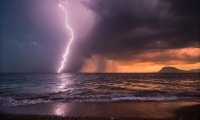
[170, 69]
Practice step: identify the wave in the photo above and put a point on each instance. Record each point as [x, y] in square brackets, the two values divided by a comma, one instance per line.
[8, 101]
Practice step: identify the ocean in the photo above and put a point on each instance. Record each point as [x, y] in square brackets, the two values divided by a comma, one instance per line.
[24, 89]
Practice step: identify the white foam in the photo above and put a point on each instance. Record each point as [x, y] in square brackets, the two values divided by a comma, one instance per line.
[88, 98]
[129, 98]
[8, 101]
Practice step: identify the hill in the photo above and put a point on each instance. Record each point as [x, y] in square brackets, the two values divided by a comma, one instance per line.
[171, 70]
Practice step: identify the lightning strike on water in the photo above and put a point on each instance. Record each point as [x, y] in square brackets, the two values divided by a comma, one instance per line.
[66, 52]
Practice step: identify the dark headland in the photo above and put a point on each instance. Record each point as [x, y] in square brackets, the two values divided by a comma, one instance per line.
[169, 69]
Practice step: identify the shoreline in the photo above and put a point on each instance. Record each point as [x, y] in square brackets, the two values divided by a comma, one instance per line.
[120, 110]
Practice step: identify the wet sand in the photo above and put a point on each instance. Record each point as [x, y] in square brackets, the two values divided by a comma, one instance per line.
[179, 110]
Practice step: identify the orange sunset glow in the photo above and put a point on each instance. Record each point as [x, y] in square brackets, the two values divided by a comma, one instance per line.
[185, 59]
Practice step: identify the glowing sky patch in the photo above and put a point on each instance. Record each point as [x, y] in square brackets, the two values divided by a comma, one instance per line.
[66, 52]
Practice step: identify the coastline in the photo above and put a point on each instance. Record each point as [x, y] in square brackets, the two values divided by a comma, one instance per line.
[180, 109]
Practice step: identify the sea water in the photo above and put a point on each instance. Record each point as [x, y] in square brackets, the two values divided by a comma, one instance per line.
[23, 89]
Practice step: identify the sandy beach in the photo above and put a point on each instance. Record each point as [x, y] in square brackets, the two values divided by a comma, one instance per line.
[182, 109]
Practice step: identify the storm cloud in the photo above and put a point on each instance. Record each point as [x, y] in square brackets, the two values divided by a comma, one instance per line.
[123, 30]
[142, 25]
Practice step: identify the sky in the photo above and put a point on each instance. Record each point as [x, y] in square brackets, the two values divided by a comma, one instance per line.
[110, 35]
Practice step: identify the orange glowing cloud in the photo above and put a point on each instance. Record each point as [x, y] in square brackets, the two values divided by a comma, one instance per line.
[153, 61]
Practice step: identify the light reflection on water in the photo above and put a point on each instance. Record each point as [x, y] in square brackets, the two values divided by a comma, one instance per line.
[60, 109]
[63, 82]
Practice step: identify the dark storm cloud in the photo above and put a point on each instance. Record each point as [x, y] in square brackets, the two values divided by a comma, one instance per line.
[130, 27]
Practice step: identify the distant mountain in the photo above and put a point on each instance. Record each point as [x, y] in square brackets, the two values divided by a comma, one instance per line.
[171, 70]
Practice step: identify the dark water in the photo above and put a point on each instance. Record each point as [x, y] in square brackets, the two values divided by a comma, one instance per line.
[22, 89]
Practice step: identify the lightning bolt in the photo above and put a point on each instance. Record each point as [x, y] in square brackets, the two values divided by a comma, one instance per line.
[66, 52]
